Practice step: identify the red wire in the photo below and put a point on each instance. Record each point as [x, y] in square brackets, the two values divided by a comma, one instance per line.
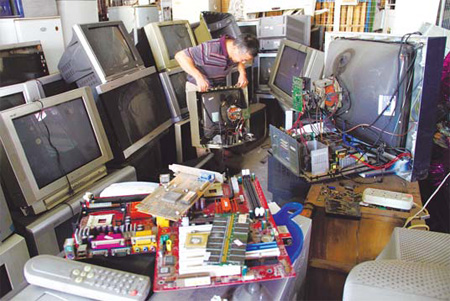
[387, 165]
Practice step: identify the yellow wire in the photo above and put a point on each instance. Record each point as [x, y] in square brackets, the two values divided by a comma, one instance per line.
[419, 226]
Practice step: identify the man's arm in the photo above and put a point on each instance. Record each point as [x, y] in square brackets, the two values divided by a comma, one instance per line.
[189, 67]
[242, 80]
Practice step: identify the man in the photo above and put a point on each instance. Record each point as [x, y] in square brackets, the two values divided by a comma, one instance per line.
[208, 64]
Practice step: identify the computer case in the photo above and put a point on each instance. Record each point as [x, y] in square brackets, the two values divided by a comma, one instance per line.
[272, 30]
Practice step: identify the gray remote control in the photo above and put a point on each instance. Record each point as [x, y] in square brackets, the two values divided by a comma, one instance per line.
[85, 279]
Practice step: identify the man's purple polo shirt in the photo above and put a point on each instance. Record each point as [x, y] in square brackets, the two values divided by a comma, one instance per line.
[211, 59]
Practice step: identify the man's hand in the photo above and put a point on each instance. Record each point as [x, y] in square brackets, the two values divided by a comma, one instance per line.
[202, 83]
[242, 80]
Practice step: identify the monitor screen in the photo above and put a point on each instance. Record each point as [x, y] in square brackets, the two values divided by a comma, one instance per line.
[51, 145]
[57, 87]
[178, 81]
[20, 64]
[136, 109]
[265, 69]
[9, 101]
[291, 64]
[176, 37]
[250, 29]
[110, 48]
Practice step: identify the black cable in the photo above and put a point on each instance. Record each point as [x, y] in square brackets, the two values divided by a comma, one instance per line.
[58, 155]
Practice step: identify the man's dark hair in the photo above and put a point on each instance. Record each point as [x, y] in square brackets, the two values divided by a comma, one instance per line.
[247, 43]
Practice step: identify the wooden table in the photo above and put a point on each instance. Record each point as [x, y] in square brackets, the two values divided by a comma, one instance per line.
[338, 244]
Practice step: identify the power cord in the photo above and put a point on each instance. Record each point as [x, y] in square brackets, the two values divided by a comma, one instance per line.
[408, 220]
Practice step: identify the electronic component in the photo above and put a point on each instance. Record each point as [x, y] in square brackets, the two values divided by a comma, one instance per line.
[78, 278]
[219, 117]
[158, 204]
[228, 239]
[216, 254]
[196, 240]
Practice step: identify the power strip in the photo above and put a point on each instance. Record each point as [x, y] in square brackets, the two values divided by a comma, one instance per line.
[387, 198]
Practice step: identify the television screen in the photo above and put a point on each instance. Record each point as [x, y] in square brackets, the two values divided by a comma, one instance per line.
[176, 37]
[178, 81]
[110, 48]
[291, 64]
[19, 64]
[51, 145]
[57, 87]
[136, 109]
[9, 101]
[265, 69]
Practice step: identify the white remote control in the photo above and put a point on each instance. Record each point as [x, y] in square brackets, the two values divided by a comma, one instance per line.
[85, 280]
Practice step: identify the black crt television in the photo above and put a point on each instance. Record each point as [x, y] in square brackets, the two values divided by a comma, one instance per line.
[134, 111]
[265, 65]
[54, 84]
[98, 53]
[213, 25]
[21, 62]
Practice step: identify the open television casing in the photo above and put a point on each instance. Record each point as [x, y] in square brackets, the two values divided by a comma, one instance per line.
[23, 188]
[415, 115]
[423, 101]
[156, 39]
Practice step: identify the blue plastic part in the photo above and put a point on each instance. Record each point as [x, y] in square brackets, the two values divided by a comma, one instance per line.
[207, 177]
[284, 218]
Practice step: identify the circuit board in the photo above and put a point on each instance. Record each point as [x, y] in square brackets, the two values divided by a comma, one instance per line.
[226, 239]
[172, 201]
[106, 229]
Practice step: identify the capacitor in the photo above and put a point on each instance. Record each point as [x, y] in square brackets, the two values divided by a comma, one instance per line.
[169, 245]
[202, 203]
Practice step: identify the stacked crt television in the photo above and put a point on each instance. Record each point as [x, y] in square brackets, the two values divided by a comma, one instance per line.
[21, 62]
[55, 148]
[294, 59]
[213, 25]
[378, 70]
[54, 84]
[18, 94]
[134, 111]
[98, 53]
[166, 39]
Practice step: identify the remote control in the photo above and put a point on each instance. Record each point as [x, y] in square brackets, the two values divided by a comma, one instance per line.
[85, 280]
